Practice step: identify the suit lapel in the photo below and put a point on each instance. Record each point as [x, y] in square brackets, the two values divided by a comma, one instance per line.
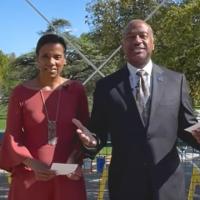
[125, 87]
[157, 89]
[126, 92]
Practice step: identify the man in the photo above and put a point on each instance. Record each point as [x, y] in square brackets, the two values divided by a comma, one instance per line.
[145, 108]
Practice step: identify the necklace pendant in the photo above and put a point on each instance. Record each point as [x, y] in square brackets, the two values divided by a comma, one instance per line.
[52, 139]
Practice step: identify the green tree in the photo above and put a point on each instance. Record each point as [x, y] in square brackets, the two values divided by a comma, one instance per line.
[4, 61]
[5, 70]
[177, 42]
[58, 25]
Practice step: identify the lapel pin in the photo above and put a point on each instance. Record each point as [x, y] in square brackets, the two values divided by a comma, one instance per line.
[160, 78]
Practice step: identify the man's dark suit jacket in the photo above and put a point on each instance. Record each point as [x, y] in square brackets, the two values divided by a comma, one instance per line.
[144, 156]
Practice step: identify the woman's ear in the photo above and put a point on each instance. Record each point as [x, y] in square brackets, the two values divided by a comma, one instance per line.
[37, 62]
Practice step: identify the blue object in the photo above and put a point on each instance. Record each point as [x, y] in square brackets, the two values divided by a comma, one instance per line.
[1, 135]
[100, 163]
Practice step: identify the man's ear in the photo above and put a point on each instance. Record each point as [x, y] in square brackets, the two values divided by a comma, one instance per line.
[153, 43]
[153, 47]
[65, 63]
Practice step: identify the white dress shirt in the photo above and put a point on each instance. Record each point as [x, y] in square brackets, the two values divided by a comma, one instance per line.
[134, 78]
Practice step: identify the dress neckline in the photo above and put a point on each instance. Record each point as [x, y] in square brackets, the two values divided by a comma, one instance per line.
[64, 84]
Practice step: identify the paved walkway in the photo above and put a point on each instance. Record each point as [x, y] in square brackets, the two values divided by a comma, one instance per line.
[93, 181]
[190, 160]
[92, 186]
[3, 185]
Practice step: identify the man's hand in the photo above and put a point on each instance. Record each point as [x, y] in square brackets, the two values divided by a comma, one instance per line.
[76, 175]
[41, 170]
[84, 134]
[196, 134]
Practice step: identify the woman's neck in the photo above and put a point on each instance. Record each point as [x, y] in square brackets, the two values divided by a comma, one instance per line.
[50, 84]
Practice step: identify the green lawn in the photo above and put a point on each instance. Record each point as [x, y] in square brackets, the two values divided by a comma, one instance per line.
[2, 124]
[3, 111]
[105, 151]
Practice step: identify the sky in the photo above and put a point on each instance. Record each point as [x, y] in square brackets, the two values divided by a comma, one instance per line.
[20, 24]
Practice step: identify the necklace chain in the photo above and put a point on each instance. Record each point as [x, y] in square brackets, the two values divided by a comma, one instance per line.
[51, 124]
[57, 105]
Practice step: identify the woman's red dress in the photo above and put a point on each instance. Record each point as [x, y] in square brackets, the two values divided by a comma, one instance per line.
[26, 137]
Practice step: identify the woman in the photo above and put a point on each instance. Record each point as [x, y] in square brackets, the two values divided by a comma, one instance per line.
[40, 132]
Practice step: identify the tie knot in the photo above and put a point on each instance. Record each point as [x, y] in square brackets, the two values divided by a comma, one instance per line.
[140, 73]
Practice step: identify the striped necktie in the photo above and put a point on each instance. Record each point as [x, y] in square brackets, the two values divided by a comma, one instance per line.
[142, 93]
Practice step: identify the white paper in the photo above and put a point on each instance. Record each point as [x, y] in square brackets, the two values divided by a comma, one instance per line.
[193, 127]
[63, 169]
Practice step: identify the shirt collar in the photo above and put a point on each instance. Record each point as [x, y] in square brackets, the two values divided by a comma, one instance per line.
[147, 68]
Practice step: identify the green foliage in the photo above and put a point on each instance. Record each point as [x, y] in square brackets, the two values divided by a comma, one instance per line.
[3, 110]
[19, 69]
[2, 123]
[177, 42]
[4, 61]
[58, 25]
[105, 151]
[5, 71]
[24, 67]
[77, 67]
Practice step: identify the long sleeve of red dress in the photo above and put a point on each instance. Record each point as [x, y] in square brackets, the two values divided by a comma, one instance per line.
[13, 151]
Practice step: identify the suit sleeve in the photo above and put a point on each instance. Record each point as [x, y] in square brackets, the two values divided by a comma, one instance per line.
[13, 152]
[98, 123]
[99, 116]
[83, 116]
[186, 116]
[83, 112]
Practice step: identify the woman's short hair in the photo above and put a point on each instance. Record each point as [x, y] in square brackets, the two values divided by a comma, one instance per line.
[50, 38]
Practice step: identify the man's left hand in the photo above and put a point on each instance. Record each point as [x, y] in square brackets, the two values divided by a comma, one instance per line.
[196, 134]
